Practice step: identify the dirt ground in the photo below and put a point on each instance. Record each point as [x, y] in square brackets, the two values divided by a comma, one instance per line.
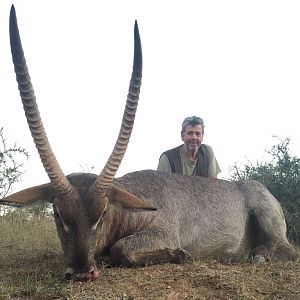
[40, 276]
[199, 280]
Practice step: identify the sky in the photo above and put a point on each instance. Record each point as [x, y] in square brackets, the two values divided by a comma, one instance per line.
[236, 64]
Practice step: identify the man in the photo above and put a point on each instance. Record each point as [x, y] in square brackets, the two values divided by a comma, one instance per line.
[192, 158]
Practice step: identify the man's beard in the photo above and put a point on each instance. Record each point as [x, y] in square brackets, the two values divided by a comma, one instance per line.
[193, 146]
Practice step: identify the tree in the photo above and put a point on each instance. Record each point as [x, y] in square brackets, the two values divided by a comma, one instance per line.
[281, 175]
[10, 165]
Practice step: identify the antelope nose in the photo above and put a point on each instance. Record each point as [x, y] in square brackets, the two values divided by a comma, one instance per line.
[68, 276]
[69, 273]
[93, 274]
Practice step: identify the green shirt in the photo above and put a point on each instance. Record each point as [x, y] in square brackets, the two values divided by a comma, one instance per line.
[189, 166]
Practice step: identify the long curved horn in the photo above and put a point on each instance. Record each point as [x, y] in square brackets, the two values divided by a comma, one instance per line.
[105, 178]
[60, 182]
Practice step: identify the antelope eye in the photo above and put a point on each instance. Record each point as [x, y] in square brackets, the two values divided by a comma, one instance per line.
[58, 215]
[55, 212]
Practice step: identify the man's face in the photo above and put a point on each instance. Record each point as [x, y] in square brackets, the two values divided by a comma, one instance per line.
[193, 137]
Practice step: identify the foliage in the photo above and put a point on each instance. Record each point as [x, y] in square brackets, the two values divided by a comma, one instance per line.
[281, 175]
[10, 173]
[10, 166]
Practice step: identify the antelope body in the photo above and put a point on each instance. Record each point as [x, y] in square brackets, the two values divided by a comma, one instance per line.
[146, 216]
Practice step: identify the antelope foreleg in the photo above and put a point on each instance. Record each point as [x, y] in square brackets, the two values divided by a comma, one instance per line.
[146, 248]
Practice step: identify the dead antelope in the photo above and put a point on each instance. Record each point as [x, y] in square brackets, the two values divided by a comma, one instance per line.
[146, 216]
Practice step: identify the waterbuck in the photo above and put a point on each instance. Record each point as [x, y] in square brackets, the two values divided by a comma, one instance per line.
[146, 216]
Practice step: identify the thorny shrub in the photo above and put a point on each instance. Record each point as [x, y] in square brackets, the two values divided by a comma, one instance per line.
[10, 164]
[281, 175]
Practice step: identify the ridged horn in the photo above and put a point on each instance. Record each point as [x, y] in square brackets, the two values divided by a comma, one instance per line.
[105, 178]
[60, 183]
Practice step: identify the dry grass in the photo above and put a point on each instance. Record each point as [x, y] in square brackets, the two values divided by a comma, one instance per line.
[31, 265]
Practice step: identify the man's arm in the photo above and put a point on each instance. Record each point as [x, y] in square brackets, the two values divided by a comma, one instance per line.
[163, 164]
[213, 166]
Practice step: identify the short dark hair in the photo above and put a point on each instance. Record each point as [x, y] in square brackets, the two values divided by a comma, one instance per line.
[191, 121]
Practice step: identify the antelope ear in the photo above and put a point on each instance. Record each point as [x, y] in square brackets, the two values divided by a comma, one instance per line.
[120, 196]
[39, 193]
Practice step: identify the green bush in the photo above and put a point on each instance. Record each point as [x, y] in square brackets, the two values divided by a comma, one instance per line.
[10, 166]
[281, 175]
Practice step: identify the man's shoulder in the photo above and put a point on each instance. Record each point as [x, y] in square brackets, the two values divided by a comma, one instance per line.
[209, 151]
[171, 160]
[207, 147]
[171, 151]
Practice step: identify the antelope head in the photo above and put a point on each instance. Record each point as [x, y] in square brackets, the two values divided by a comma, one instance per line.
[79, 200]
